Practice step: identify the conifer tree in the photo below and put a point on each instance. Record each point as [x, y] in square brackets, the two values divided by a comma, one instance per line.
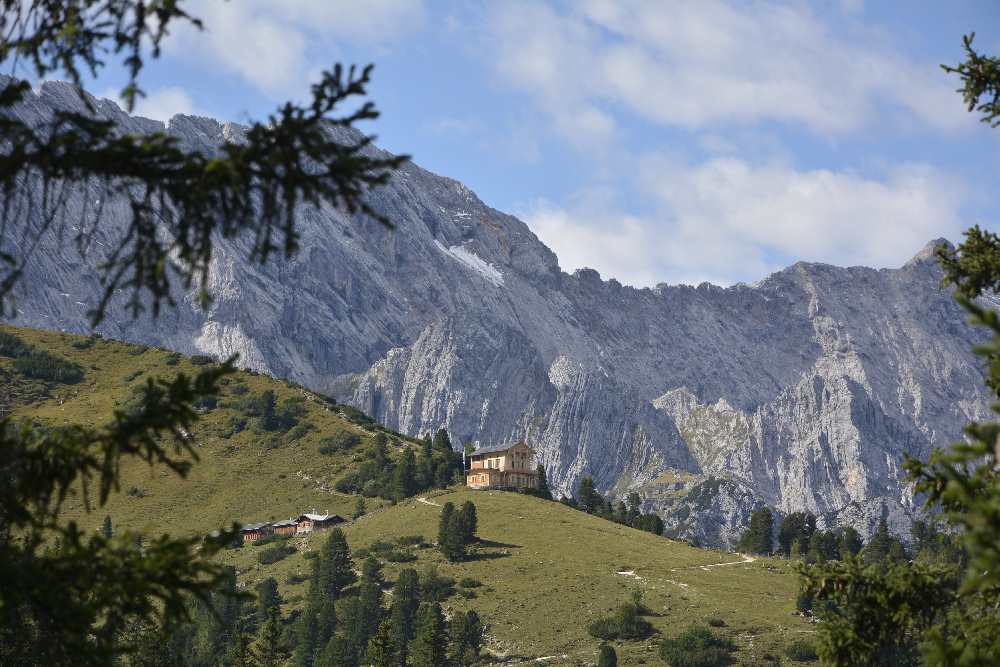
[797, 526]
[267, 597]
[359, 508]
[106, 530]
[442, 442]
[371, 570]
[441, 479]
[469, 522]
[429, 646]
[466, 637]
[587, 497]
[267, 651]
[336, 653]
[444, 521]
[606, 656]
[451, 533]
[425, 466]
[850, 542]
[758, 539]
[335, 569]
[405, 602]
[404, 476]
[543, 484]
[380, 651]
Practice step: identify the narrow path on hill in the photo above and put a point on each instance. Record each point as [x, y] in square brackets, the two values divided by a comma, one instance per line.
[710, 566]
[428, 502]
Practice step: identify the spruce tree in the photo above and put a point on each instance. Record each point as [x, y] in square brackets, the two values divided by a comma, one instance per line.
[106, 530]
[758, 537]
[359, 508]
[267, 597]
[404, 476]
[429, 646]
[797, 526]
[453, 533]
[469, 522]
[336, 653]
[543, 483]
[371, 570]
[444, 523]
[850, 542]
[425, 466]
[405, 602]
[587, 497]
[267, 651]
[466, 637]
[380, 651]
[606, 656]
[335, 569]
[442, 442]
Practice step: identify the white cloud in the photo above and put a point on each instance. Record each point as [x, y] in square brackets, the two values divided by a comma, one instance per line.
[726, 220]
[164, 103]
[267, 43]
[709, 64]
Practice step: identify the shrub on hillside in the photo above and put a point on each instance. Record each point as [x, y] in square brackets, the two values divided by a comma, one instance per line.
[40, 365]
[275, 553]
[172, 359]
[83, 344]
[627, 623]
[698, 646]
[332, 444]
[469, 582]
[12, 346]
[435, 587]
[801, 651]
[202, 360]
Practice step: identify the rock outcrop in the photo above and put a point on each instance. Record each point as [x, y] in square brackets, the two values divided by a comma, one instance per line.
[803, 391]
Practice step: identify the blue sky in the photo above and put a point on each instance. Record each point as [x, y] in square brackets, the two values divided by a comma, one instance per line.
[654, 141]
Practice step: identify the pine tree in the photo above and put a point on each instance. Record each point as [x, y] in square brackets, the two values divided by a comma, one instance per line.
[442, 442]
[441, 478]
[444, 521]
[543, 484]
[469, 522]
[466, 637]
[106, 530]
[797, 526]
[606, 656]
[587, 497]
[267, 597]
[425, 466]
[267, 651]
[405, 601]
[850, 542]
[428, 648]
[758, 537]
[336, 653]
[403, 476]
[371, 570]
[359, 508]
[634, 507]
[334, 567]
[380, 651]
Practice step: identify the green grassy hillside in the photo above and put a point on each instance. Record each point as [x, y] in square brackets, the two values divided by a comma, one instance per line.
[546, 570]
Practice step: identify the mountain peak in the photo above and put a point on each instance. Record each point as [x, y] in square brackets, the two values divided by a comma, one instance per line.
[929, 251]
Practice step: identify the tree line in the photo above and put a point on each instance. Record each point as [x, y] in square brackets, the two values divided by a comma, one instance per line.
[628, 512]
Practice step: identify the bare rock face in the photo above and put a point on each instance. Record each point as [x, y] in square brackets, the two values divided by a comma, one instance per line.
[801, 392]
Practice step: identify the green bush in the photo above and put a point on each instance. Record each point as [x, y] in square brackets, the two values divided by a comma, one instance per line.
[202, 360]
[299, 431]
[627, 623]
[239, 389]
[435, 587]
[172, 359]
[83, 344]
[275, 553]
[332, 444]
[12, 346]
[801, 651]
[40, 365]
[469, 582]
[697, 647]
[399, 556]
[716, 622]
[410, 540]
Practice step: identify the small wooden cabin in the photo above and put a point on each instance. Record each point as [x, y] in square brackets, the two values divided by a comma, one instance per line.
[502, 467]
[255, 531]
[286, 527]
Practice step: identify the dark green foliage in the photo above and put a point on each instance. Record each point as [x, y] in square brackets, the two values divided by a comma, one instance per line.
[757, 538]
[174, 358]
[428, 648]
[470, 582]
[341, 442]
[626, 624]
[12, 346]
[883, 546]
[543, 484]
[606, 656]
[106, 530]
[371, 570]
[380, 651]
[275, 553]
[359, 508]
[404, 483]
[716, 622]
[801, 651]
[267, 650]
[40, 365]
[698, 646]
[334, 567]
[451, 533]
[465, 635]
[651, 523]
[796, 527]
[201, 360]
[587, 498]
[267, 597]
[405, 601]
[435, 587]
[849, 542]
[469, 522]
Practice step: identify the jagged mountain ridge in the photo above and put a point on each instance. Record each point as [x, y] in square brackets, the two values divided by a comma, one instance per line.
[802, 391]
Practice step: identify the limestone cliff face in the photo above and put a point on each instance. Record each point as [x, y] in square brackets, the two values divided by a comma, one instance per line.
[803, 391]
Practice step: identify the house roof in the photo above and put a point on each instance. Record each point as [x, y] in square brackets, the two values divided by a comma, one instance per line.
[254, 526]
[286, 522]
[321, 517]
[495, 449]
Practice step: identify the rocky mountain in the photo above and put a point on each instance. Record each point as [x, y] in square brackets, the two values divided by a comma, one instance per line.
[803, 391]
